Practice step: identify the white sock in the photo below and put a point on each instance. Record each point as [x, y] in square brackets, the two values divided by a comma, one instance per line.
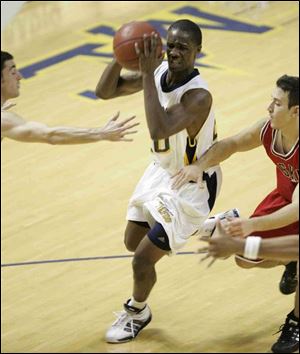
[138, 305]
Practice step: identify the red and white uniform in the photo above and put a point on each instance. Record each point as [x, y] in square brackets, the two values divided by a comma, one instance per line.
[287, 171]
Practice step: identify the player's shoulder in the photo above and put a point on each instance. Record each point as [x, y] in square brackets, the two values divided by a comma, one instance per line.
[10, 120]
[198, 96]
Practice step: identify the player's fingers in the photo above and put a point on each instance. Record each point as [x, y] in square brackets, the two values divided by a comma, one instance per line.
[200, 183]
[178, 182]
[8, 106]
[130, 132]
[137, 49]
[153, 41]
[125, 139]
[123, 129]
[202, 250]
[204, 238]
[202, 259]
[211, 262]
[115, 117]
[146, 46]
[127, 120]
[176, 174]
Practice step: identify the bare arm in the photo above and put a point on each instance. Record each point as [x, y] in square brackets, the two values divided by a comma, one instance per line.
[190, 113]
[275, 248]
[16, 128]
[111, 84]
[247, 139]
[193, 110]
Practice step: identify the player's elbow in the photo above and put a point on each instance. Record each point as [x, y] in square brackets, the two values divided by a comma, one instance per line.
[158, 134]
[50, 137]
[102, 93]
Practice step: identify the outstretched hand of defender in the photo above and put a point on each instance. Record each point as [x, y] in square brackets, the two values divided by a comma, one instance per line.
[117, 131]
[220, 245]
[148, 56]
[7, 106]
[190, 173]
[239, 227]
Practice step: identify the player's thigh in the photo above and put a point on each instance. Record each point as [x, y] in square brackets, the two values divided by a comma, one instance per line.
[134, 233]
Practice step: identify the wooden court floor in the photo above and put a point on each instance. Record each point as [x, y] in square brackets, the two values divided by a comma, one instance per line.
[64, 268]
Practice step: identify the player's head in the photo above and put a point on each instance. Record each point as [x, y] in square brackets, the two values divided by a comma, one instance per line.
[290, 85]
[284, 107]
[10, 77]
[184, 41]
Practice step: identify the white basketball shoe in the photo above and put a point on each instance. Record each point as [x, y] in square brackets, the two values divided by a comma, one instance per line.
[129, 323]
[209, 224]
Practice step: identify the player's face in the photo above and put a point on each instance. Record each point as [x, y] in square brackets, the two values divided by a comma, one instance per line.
[181, 50]
[279, 111]
[10, 80]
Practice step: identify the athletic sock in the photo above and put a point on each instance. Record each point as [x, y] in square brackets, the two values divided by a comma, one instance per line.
[136, 304]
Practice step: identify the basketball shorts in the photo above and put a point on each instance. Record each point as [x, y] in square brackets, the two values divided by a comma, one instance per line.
[180, 212]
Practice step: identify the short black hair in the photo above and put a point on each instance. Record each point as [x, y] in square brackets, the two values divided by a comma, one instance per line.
[290, 84]
[190, 27]
[4, 57]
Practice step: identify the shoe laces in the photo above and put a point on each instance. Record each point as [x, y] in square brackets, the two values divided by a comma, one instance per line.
[288, 331]
[123, 318]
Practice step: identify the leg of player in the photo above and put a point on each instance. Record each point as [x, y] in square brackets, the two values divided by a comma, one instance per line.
[134, 233]
[288, 282]
[136, 314]
[288, 342]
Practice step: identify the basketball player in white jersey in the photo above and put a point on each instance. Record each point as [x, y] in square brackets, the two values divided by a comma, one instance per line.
[15, 127]
[181, 124]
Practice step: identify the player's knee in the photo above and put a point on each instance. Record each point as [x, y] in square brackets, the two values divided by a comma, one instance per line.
[141, 267]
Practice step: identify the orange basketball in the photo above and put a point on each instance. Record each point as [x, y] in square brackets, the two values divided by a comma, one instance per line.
[124, 40]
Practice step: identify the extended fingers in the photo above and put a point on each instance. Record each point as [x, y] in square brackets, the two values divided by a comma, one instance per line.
[202, 250]
[179, 179]
[154, 37]
[130, 132]
[115, 117]
[137, 49]
[129, 126]
[126, 120]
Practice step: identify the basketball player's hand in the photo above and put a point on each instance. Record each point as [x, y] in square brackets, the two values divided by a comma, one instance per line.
[191, 173]
[148, 56]
[117, 131]
[7, 106]
[239, 227]
[221, 245]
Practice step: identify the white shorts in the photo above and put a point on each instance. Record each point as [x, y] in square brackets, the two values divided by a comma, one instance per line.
[181, 212]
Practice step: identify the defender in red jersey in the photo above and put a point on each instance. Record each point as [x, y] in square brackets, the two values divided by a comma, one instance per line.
[277, 214]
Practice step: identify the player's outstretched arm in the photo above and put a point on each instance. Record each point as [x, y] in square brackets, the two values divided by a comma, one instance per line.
[279, 218]
[275, 248]
[247, 139]
[16, 128]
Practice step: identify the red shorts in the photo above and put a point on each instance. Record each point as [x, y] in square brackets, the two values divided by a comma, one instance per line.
[274, 201]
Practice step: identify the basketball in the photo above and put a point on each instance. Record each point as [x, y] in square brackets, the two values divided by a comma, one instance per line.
[124, 39]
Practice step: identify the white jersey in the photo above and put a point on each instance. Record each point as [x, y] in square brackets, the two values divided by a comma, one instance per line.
[180, 212]
[172, 153]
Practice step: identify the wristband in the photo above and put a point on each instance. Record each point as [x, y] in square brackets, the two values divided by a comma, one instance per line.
[252, 247]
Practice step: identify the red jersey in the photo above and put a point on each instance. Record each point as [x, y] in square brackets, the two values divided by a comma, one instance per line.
[287, 171]
[287, 165]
